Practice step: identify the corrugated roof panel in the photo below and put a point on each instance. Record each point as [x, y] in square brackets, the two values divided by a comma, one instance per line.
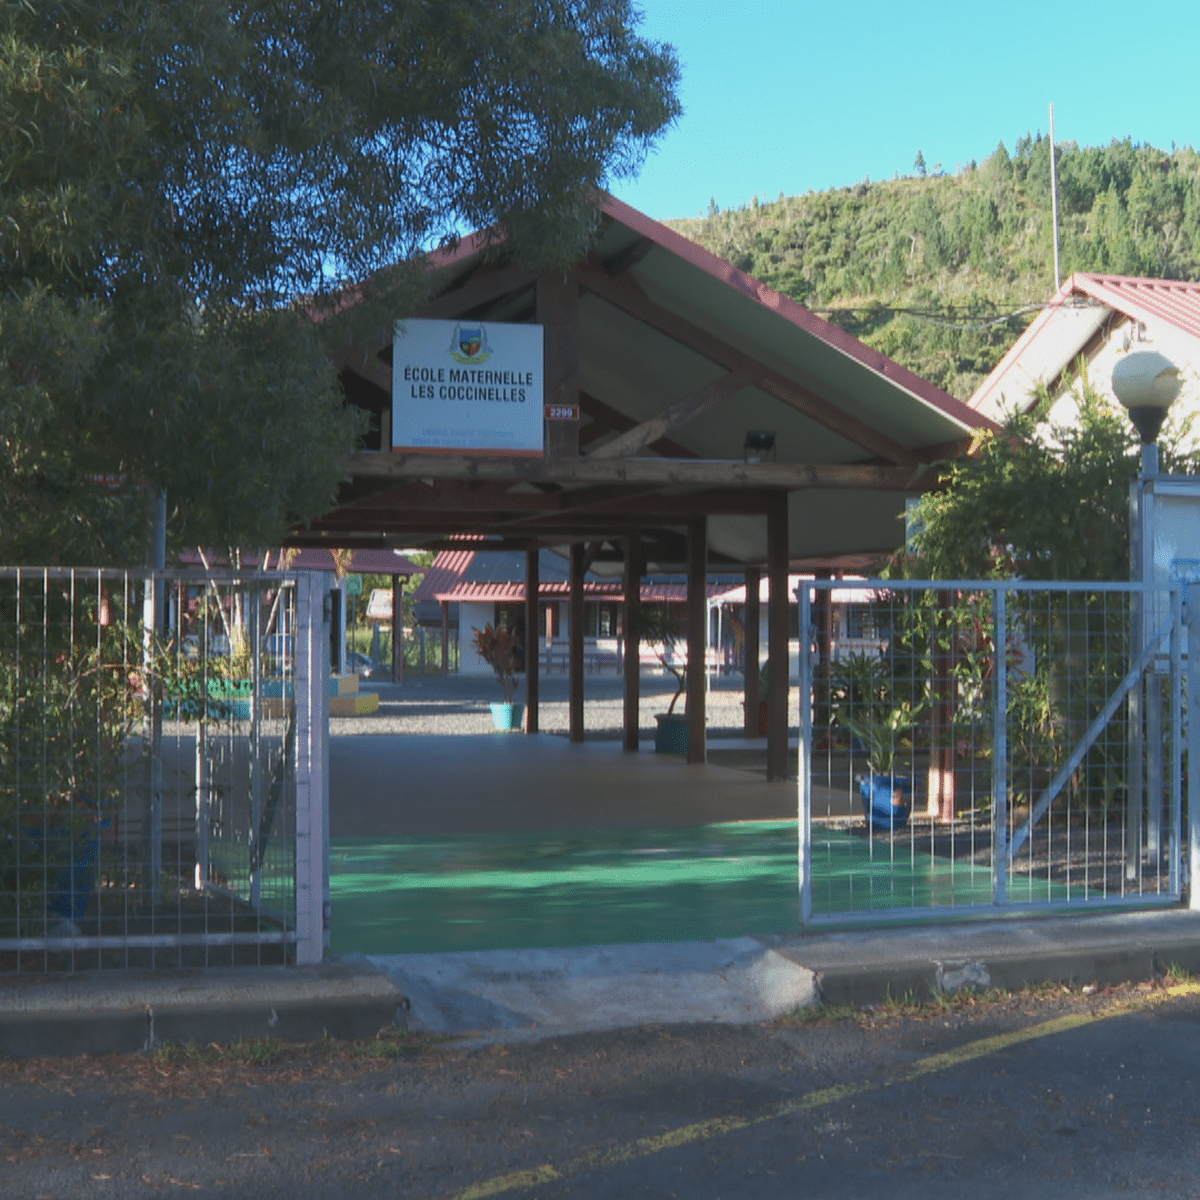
[1173, 301]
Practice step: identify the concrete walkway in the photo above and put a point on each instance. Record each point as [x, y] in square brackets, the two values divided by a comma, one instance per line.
[405, 784]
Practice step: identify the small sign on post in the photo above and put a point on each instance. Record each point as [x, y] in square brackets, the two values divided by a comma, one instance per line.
[353, 585]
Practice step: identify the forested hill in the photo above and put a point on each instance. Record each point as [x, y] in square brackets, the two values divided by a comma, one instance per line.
[961, 252]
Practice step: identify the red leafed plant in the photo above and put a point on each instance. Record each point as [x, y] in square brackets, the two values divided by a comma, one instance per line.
[500, 649]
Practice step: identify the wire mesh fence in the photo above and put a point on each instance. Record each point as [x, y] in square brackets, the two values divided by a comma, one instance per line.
[153, 729]
[989, 745]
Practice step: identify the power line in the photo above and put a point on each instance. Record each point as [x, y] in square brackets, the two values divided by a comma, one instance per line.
[934, 317]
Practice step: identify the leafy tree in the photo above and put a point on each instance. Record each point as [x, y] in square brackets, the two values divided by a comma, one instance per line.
[175, 176]
[944, 272]
[1039, 500]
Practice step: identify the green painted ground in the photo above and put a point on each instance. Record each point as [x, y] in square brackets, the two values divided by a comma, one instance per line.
[601, 887]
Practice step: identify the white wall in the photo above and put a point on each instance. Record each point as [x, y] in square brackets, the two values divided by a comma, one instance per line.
[470, 618]
[1181, 349]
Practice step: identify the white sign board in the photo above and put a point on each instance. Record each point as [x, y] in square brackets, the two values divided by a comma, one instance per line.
[467, 387]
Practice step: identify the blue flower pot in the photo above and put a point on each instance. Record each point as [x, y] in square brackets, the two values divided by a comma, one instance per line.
[507, 717]
[71, 865]
[887, 800]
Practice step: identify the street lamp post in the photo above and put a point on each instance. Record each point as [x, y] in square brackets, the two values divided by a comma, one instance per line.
[1146, 383]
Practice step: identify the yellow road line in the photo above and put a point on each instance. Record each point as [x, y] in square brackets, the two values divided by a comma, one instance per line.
[702, 1131]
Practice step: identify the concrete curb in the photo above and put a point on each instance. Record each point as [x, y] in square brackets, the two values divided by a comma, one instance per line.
[346, 999]
[519, 995]
[871, 967]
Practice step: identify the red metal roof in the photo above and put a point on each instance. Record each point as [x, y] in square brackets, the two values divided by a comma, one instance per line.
[446, 571]
[513, 591]
[1174, 302]
[1169, 300]
[797, 314]
[694, 254]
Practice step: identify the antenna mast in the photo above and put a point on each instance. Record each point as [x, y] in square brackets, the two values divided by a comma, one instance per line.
[1054, 201]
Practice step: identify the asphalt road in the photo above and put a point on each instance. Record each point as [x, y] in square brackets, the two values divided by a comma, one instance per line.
[1050, 1095]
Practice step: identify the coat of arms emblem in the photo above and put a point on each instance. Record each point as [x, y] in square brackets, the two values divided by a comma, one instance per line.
[469, 344]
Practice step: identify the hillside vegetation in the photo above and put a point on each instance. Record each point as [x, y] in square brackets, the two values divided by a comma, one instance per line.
[934, 269]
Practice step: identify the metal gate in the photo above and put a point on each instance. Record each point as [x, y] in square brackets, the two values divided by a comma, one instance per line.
[995, 746]
[162, 769]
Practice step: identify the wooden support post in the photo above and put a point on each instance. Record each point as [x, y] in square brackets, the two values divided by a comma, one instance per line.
[532, 648]
[777, 638]
[697, 637]
[632, 666]
[751, 696]
[397, 628]
[445, 637]
[557, 311]
[576, 643]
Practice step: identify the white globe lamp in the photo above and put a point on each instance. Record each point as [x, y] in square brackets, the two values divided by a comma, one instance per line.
[1146, 383]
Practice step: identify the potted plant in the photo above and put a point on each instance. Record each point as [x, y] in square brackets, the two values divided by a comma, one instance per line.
[500, 648]
[880, 729]
[660, 629]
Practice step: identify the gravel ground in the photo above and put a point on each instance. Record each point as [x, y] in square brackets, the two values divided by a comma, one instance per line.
[436, 704]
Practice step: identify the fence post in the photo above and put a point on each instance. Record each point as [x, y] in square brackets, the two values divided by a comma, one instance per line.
[1193, 742]
[1176, 743]
[1136, 771]
[804, 761]
[312, 699]
[253, 635]
[1000, 751]
[152, 742]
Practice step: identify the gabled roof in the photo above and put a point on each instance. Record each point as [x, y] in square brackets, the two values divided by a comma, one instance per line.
[480, 574]
[1077, 316]
[679, 354]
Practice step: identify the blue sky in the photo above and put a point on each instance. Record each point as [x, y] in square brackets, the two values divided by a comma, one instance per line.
[792, 97]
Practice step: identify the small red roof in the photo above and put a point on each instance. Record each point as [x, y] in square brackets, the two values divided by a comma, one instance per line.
[1170, 300]
[310, 558]
[1075, 313]
[447, 570]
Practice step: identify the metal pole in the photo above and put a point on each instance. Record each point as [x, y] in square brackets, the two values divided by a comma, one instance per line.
[152, 868]
[1135, 771]
[254, 601]
[1000, 752]
[312, 700]
[1176, 741]
[1192, 606]
[804, 759]
[1054, 202]
[201, 806]
[1154, 768]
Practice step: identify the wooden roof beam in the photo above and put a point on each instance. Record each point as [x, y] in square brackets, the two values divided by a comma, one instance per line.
[678, 415]
[661, 471]
[624, 293]
[481, 287]
[609, 418]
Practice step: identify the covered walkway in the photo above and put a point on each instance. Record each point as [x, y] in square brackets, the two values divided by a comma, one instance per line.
[696, 421]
